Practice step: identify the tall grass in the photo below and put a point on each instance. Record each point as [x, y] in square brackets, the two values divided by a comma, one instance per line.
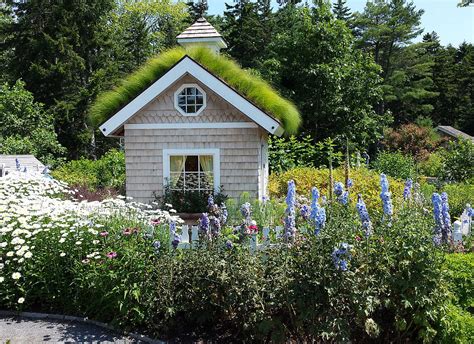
[251, 86]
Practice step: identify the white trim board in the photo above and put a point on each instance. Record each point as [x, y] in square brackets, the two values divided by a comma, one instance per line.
[187, 65]
[187, 125]
[215, 152]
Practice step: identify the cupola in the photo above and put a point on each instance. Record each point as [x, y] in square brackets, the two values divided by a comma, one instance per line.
[201, 33]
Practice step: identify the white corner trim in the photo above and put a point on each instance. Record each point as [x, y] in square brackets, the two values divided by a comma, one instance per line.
[215, 152]
[188, 125]
[187, 65]
[180, 89]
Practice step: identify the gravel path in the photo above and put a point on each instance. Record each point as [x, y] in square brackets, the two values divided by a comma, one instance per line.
[19, 330]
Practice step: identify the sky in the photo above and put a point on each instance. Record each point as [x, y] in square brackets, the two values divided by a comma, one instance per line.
[453, 24]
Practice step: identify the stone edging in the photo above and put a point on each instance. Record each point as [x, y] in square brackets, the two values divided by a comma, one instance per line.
[34, 315]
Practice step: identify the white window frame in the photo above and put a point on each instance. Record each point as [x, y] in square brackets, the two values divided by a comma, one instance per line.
[216, 161]
[176, 103]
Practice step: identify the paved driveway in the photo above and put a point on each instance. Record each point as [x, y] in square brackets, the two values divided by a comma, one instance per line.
[19, 330]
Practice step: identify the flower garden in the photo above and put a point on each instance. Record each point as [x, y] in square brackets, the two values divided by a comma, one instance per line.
[337, 271]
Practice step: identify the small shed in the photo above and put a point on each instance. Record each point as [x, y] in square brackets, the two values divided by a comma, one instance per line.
[451, 132]
[193, 120]
[9, 163]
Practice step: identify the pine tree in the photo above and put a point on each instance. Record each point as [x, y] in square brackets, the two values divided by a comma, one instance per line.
[248, 28]
[341, 11]
[198, 9]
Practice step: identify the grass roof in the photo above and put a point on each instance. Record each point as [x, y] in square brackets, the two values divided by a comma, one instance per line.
[251, 86]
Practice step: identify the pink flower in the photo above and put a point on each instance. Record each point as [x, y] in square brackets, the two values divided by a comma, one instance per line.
[111, 255]
[358, 238]
[155, 222]
[104, 234]
[127, 231]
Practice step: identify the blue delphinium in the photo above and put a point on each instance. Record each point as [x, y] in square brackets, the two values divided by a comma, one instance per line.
[407, 189]
[385, 196]
[350, 183]
[338, 189]
[305, 212]
[364, 216]
[210, 201]
[318, 214]
[469, 210]
[204, 224]
[341, 256]
[438, 217]
[224, 214]
[290, 223]
[446, 229]
[176, 236]
[215, 225]
[245, 210]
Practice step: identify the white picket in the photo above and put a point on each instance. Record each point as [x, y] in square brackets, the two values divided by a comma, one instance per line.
[466, 223]
[184, 243]
[194, 235]
[457, 234]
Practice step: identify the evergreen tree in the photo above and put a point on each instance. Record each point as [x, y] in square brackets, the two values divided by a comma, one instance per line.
[341, 11]
[248, 28]
[198, 9]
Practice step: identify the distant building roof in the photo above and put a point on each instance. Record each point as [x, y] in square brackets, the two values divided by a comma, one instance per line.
[28, 161]
[453, 132]
[200, 29]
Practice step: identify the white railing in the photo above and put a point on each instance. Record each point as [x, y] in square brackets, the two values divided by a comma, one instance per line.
[190, 241]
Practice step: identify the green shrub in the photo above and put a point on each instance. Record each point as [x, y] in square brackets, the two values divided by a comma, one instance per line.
[107, 172]
[457, 326]
[396, 164]
[366, 182]
[460, 268]
[458, 161]
[431, 167]
[459, 195]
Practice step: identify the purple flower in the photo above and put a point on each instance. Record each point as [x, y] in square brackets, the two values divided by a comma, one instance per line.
[104, 233]
[341, 256]
[305, 212]
[245, 210]
[407, 190]
[215, 225]
[469, 210]
[350, 183]
[228, 244]
[364, 216]
[17, 163]
[318, 214]
[210, 201]
[385, 196]
[156, 244]
[290, 224]
[438, 217]
[446, 229]
[111, 254]
[338, 189]
[204, 224]
[224, 214]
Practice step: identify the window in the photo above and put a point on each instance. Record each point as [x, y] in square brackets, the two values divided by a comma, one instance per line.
[192, 169]
[190, 100]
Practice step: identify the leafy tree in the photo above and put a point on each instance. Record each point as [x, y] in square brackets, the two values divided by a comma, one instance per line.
[341, 11]
[25, 127]
[334, 85]
[248, 28]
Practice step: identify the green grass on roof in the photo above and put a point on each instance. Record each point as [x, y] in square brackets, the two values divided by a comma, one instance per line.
[251, 86]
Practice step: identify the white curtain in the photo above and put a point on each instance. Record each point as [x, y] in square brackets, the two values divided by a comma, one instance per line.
[176, 165]
[207, 167]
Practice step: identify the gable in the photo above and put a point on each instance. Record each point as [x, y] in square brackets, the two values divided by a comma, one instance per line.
[191, 67]
[162, 108]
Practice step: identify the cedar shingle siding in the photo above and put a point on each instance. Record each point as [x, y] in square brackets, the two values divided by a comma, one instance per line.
[239, 148]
